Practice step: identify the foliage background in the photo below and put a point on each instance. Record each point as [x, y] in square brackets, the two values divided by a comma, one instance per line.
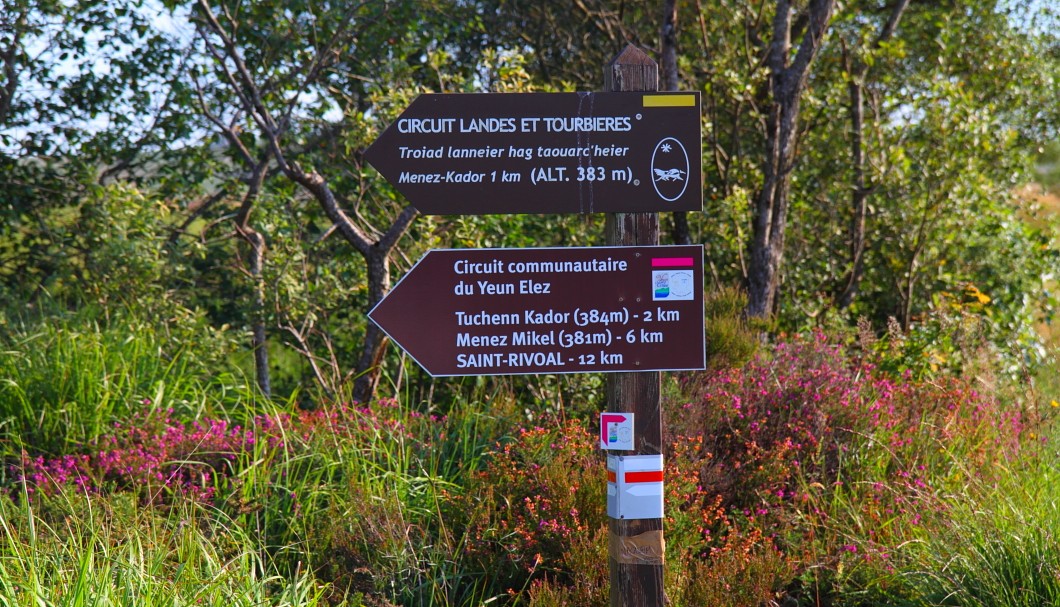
[896, 447]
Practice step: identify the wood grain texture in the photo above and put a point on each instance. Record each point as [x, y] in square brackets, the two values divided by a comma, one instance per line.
[635, 585]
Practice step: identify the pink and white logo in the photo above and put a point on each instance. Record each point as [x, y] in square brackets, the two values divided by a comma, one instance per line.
[616, 431]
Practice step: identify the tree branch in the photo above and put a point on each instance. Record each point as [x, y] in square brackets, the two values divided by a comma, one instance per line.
[196, 212]
[311, 181]
[892, 23]
[9, 57]
[820, 13]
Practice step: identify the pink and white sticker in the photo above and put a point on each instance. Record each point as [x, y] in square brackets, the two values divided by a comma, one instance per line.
[616, 431]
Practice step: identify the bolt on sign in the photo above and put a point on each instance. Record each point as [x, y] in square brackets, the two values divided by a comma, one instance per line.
[464, 312]
[502, 153]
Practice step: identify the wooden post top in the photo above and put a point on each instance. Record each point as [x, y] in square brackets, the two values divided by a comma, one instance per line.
[631, 70]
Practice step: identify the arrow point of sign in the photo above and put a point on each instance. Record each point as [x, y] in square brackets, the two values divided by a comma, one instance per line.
[402, 315]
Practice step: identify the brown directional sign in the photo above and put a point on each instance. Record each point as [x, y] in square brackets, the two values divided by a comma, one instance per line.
[550, 310]
[496, 153]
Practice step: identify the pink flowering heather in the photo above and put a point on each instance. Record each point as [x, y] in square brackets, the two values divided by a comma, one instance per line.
[153, 453]
[769, 437]
[160, 456]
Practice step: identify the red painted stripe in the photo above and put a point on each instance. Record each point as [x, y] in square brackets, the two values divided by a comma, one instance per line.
[671, 262]
[611, 476]
[648, 476]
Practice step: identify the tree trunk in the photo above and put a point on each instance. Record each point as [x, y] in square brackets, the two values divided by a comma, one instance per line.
[256, 253]
[858, 196]
[858, 70]
[788, 80]
[259, 342]
[771, 210]
[374, 345]
[669, 81]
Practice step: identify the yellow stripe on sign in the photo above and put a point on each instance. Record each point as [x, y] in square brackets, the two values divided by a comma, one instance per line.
[669, 101]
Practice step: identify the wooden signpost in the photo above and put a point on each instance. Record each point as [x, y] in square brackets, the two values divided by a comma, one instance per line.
[630, 309]
[636, 547]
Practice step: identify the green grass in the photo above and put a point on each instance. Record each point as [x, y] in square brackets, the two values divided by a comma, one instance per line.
[334, 514]
[75, 551]
[1001, 547]
[65, 380]
[383, 503]
[977, 542]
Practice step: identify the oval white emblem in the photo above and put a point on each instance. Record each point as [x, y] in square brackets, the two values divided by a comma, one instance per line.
[669, 169]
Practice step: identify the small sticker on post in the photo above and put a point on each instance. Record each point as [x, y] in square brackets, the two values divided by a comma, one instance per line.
[672, 279]
[616, 431]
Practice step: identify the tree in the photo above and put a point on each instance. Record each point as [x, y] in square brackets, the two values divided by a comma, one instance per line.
[669, 80]
[855, 153]
[94, 78]
[86, 95]
[297, 91]
[788, 78]
[857, 69]
[569, 41]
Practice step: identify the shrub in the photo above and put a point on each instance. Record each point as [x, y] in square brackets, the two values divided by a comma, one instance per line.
[536, 523]
[538, 496]
[157, 456]
[829, 460]
[807, 473]
[731, 338]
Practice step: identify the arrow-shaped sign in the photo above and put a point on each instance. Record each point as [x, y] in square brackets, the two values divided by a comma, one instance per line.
[550, 310]
[476, 154]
